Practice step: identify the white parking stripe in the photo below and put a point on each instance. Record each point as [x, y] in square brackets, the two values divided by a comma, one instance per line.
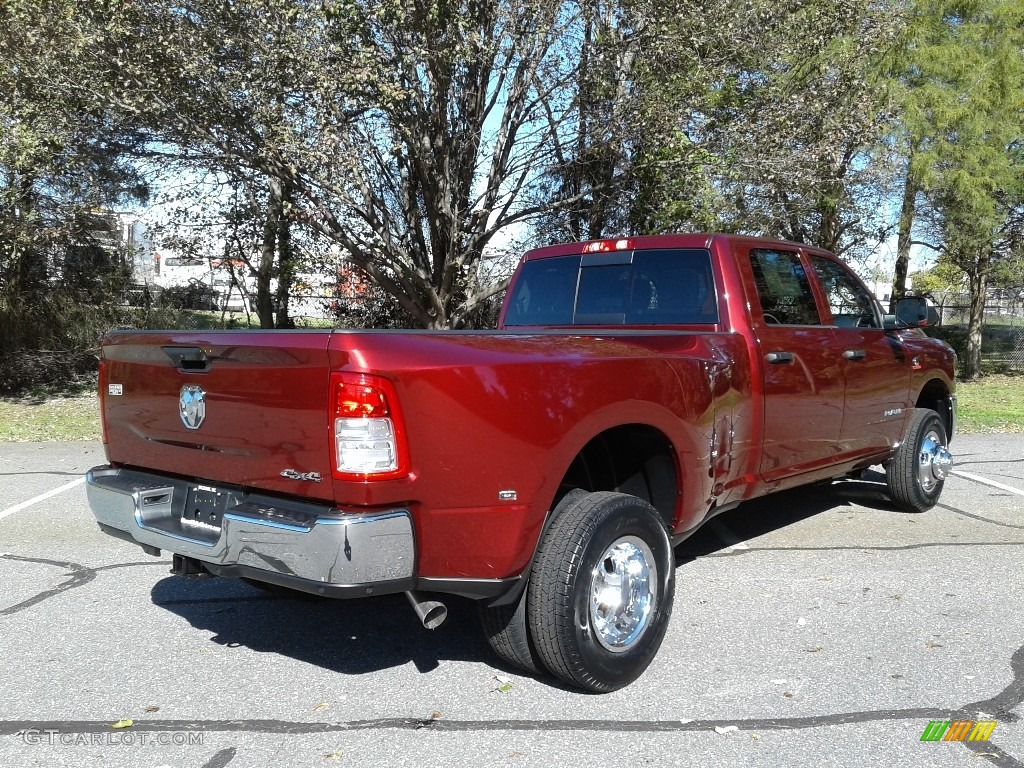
[986, 481]
[42, 497]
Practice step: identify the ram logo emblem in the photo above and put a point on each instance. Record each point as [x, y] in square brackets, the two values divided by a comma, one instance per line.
[192, 406]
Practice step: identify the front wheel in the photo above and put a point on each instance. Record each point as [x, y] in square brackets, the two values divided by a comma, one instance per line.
[600, 592]
[917, 471]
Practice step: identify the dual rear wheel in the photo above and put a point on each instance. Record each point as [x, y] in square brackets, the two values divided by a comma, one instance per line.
[599, 595]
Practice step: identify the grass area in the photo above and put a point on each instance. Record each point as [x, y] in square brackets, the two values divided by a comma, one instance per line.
[991, 404]
[42, 419]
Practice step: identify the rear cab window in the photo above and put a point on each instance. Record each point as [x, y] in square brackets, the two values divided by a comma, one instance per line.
[672, 286]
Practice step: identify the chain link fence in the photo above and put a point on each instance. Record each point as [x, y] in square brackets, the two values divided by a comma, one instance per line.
[1002, 342]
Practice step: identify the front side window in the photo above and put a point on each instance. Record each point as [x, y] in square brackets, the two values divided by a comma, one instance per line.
[783, 288]
[851, 305]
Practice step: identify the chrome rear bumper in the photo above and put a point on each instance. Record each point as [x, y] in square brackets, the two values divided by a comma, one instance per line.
[306, 546]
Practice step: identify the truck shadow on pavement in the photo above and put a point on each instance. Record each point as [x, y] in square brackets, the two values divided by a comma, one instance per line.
[779, 510]
[350, 637]
[353, 637]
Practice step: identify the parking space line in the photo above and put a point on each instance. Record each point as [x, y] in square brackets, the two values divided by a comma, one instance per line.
[41, 497]
[986, 481]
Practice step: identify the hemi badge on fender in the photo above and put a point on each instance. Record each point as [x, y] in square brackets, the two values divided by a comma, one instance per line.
[115, 389]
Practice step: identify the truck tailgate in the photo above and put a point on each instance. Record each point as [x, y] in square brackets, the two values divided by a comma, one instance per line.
[264, 401]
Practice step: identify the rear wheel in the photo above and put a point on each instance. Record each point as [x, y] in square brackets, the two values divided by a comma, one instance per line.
[505, 629]
[505, 626]
[600, 592]
[917, 471]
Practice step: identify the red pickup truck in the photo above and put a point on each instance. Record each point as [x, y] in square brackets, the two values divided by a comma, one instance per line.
[634, 389]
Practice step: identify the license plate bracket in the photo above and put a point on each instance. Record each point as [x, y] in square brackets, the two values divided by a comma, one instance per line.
[204, 507]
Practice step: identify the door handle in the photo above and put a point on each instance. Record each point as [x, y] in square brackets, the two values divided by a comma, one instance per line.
[188, 358]
[779, 357]
[855, 354]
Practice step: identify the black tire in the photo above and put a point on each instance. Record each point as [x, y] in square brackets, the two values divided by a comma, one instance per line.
[506, 633]
[573, 638]
[916, 473]
[505, 626]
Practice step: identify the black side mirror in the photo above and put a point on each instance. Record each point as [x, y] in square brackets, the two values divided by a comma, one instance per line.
[913, 311]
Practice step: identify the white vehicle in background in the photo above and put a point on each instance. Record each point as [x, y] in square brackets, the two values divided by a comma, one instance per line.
[225, 285]
[230, 293]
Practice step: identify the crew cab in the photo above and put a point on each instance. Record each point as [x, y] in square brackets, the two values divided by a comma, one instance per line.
[634, 389]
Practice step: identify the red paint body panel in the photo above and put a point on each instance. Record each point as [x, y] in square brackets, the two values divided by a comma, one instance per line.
[266, 407]
[489, 414]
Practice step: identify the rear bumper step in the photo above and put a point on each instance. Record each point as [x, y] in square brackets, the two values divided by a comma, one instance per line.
[305, 546]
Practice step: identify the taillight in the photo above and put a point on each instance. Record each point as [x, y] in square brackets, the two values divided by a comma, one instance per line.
[367, 435]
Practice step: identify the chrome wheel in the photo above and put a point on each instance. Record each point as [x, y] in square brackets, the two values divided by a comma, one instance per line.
[623, 593]
[934, 461]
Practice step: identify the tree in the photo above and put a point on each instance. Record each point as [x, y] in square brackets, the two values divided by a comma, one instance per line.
[775, 114]
[61, 157]
[962, 122]
[598, 136]
[64, 162]
[453, 108]
[407, 132]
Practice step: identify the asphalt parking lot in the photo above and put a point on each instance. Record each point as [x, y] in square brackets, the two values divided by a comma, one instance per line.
[812, 628]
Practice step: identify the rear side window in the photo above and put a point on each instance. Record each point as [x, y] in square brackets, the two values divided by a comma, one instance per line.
[783, 288]
[657, 287]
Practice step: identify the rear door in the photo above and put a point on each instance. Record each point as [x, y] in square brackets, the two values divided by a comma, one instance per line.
[802, 374]
[246, 408]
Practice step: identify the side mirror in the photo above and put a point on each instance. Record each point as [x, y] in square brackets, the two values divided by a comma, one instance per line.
[913, 311]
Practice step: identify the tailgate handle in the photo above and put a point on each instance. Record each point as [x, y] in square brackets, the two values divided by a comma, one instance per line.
[191, 359]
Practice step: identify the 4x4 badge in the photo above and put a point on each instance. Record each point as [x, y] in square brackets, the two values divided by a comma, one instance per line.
[292, 474]
[192, 406]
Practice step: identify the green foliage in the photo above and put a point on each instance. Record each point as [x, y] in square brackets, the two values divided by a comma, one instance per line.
[399, 137]
[944, 276]
[962, 119]
[62, 155]
[992, 403]
[44, 417]
[53, 340]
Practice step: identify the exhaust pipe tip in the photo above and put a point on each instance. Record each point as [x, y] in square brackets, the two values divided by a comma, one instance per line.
[432, 613]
